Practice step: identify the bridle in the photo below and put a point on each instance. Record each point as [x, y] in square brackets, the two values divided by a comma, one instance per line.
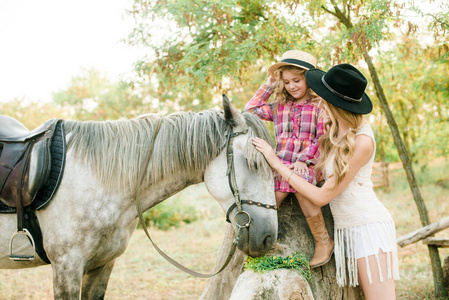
[240, 222]
[245, 217]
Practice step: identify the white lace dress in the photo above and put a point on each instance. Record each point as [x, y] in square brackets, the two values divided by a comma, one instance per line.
[362, 224]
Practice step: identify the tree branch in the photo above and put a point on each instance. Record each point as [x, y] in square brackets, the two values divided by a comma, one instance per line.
[423, 233]
[329, 11]
[438, 20]
[339, 14]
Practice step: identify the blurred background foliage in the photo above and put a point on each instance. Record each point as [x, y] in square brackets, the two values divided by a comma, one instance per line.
[200, 49]
[170, 214]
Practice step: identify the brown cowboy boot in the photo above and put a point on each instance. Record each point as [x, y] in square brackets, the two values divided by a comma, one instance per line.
[324, 245]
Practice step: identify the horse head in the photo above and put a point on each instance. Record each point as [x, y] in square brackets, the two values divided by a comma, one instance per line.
[242, 182]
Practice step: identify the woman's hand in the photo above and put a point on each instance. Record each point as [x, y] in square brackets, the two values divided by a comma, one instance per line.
[264, 148]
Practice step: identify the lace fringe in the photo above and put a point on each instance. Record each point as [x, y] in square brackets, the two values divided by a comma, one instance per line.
[346, 263]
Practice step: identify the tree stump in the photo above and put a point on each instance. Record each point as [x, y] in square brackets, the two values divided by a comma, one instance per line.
[293, 235]
[219, 287]
[276, 284]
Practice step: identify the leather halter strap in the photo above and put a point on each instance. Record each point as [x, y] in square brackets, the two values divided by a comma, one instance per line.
[231, 169]
[249, 202]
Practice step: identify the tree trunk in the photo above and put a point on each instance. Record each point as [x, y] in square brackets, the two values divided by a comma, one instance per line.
[446, 272]
[219, 287]
[294, 235]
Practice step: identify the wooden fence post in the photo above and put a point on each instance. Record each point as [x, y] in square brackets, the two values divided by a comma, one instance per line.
[380, 175]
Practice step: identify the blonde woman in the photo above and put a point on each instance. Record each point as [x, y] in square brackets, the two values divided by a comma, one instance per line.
[365, 238]
[298, 124]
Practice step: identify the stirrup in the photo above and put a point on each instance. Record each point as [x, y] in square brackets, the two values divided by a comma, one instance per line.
[22, 257]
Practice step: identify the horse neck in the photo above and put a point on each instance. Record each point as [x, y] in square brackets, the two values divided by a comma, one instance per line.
[169, 186]
[169, 176]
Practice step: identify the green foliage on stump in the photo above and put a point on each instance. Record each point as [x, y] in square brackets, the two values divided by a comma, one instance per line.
[294, 261]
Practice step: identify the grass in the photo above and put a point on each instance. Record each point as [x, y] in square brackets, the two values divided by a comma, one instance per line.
[141, 273]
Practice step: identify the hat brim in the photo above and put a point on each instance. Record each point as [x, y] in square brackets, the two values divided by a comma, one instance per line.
[313, 79]
[276, 66]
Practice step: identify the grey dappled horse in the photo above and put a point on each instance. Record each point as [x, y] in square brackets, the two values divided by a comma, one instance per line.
[90, 220]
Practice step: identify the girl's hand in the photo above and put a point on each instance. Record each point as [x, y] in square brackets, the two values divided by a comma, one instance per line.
[271, 81]
[300, 168]
[264, 148]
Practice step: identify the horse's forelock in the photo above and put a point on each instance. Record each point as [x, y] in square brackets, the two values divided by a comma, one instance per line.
[256, 161]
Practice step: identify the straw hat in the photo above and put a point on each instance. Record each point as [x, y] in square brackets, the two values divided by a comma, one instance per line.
[295, 58]
[343, 86]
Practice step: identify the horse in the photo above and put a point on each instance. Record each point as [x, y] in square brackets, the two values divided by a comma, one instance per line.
[88, 223]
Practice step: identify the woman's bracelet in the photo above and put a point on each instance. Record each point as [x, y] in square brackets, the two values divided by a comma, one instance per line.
[288, 180]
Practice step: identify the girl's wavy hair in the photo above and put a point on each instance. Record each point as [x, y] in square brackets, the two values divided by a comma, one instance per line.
[280, 93]
[344, 147]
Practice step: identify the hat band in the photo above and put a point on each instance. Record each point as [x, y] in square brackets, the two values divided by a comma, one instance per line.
[298, 62]
[338, 94]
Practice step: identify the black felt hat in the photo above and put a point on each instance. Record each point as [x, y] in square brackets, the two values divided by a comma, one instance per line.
[343, 86]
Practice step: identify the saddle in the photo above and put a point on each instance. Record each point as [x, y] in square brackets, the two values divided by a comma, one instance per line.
[20, 183]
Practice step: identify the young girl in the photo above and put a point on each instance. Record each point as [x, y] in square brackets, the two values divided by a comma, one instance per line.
[364, 229]
[298, 123]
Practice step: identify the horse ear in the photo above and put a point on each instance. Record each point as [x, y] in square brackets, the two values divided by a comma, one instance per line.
[232, 116]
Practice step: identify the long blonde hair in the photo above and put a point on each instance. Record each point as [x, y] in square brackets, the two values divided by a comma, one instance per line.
[343, 147]
[280, 92]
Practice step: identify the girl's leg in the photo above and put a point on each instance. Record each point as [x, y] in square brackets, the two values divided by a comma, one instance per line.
[376, 290]
[280, 196]
[324, 245]
[308, 208]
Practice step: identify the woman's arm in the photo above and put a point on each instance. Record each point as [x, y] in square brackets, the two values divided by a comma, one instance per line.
[320, 196]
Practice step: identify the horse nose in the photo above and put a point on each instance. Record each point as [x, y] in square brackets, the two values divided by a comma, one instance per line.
[269, 241]
[266, 244]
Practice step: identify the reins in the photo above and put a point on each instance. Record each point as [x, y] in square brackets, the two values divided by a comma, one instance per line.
[238, 203]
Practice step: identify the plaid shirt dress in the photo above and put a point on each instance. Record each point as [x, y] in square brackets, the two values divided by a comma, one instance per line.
[297, 128]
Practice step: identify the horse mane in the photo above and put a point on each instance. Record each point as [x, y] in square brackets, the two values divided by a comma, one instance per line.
[186, 141]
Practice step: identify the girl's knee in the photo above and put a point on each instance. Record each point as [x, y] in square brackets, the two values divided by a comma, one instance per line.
[280, 196]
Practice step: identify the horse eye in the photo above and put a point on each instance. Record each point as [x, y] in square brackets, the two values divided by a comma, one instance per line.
[252, 164]
[255, 167]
